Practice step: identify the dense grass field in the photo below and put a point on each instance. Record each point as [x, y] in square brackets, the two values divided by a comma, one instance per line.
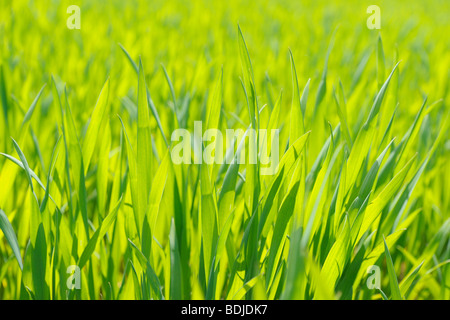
[94, 203]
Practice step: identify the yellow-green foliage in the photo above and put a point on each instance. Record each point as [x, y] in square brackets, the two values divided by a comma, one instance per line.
[87, 178]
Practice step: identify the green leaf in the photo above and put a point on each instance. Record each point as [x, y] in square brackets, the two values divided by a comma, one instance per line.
[379, 98]
[175, 266]
[245, 288]
[337, 257]
[380, 62]
[4, 97]
[208, 218]
[144, 149]
[30, 172]
[10, 236]
[393, 282]
[249, 81]
[39, 263]
[99, 234]
[75, 160]
[297, 126]
[279, 232]
[50, 173]
[145, 264]
[26, 167]
[376, 206]
[322, 88]
[95, 123]
[133, 64]
[407, 281]
[32, 107]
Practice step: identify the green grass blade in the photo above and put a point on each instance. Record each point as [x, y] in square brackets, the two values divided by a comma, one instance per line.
[99, 234]
[296, 126]
[10, 236]
[393, 282]
[30, 111]
[95, 123]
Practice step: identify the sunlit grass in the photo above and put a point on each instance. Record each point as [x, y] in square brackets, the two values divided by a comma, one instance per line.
[87, 178]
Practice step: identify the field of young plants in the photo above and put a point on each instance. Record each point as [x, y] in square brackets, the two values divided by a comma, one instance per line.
[102, 196]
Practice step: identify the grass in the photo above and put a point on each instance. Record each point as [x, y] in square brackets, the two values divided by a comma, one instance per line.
[87, 178]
